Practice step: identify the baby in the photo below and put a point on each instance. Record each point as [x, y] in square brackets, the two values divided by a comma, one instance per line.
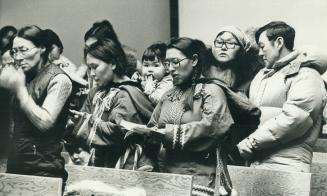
[156, 77]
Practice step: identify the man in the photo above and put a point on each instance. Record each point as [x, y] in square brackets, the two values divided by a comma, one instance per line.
[291, 96]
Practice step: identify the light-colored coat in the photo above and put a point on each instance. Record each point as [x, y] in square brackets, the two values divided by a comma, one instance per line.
[291, 97]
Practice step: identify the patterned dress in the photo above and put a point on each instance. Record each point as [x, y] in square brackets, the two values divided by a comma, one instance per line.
[192, 135]
[108, 106]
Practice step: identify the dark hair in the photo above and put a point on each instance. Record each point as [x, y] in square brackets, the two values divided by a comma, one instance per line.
[36, 35]
[191, 48]
[131, 60]
[102, 30]
[156, 50]
[277, 29]
[4, 31]
[108, 51]
[6, 48]
[52, 38]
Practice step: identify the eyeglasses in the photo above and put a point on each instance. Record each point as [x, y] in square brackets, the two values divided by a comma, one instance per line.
[228, 45]
[176, 63]
[22, 51]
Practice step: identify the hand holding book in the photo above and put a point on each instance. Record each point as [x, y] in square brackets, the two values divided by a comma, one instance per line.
[141, 129]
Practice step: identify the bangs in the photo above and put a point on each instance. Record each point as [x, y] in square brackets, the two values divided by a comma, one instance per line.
[157, 50]
[149, 55]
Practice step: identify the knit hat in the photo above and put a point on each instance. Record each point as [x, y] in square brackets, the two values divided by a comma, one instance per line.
[241, 37]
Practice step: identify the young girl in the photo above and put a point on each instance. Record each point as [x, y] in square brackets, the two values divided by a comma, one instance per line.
[156, 78]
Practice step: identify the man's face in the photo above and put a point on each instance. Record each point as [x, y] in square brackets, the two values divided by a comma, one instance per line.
[268, 50]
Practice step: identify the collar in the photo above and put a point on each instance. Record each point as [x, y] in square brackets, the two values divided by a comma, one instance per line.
[288, 65]
[118, 84]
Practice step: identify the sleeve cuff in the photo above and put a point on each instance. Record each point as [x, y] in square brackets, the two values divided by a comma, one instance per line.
[171, 136]
[262, 138]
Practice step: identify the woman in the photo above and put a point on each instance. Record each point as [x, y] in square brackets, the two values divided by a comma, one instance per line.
[115, 98]
[192, 118]
[236, 61]
[39, 109]
[99, 31]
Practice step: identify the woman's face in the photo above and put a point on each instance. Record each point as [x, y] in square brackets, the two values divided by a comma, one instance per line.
[227, 49]
[26, 54]
[154, 68]
[180, 66]
[100, 71]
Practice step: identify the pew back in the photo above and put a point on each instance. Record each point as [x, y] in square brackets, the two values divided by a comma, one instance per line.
[258, 182]
[13, 185]
[319, 179]
[155, 184]
[320, 145]
[319, 157]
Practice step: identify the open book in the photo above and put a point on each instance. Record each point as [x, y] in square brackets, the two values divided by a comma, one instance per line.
[138, 128]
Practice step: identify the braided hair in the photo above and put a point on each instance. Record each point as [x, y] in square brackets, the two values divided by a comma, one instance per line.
[192, 49]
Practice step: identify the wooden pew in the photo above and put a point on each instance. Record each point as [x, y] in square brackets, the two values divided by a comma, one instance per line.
[319, 179]
[320, 146]
[14, 185]
[155, 184]
[319, 157]
[258, 182]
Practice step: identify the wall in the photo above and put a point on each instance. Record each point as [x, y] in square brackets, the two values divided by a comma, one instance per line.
[202, 19]
[138, 23]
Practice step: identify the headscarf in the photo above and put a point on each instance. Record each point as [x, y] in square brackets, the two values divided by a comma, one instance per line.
[240, 36]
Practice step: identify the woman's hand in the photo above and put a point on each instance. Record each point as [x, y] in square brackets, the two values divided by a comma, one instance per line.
[12, 78]
[131, 126]
[78, 115]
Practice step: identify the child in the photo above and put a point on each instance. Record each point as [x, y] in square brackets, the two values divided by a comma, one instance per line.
[156, 77]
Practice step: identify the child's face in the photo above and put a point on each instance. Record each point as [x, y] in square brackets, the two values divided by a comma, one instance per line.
[154, 68]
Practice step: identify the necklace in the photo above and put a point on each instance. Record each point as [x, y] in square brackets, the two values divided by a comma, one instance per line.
[176, 95]
[177, 107]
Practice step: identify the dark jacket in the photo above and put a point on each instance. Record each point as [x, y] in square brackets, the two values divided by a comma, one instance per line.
[123, 101]
[34, 152]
